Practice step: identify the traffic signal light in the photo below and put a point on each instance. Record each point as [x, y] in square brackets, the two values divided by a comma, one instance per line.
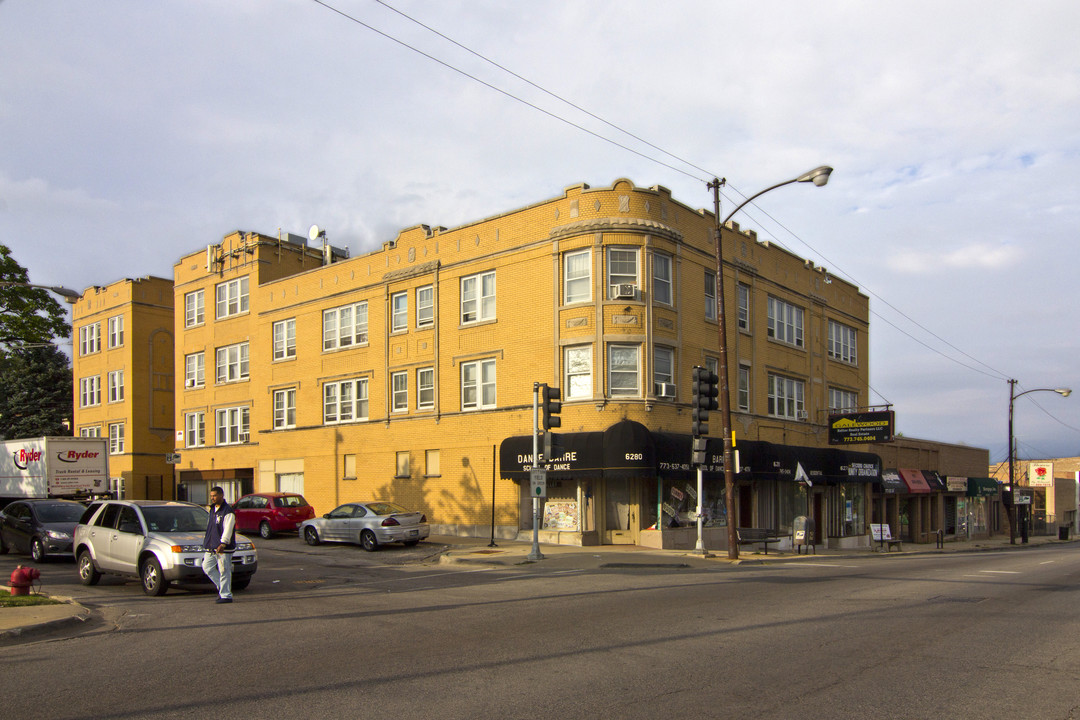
[552, 406]
[705, 386]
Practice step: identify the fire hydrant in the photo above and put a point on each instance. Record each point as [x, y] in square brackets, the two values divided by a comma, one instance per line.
[21, 579]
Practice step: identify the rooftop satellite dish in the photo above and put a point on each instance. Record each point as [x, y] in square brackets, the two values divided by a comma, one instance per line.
[315, 233]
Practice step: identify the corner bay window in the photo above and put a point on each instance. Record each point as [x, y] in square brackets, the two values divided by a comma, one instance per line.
[623, 368]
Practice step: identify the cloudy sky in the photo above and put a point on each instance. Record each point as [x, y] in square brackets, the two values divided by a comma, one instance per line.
[133, 132]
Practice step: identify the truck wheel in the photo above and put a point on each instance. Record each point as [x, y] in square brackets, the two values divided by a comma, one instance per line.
[153, 581]
[88, 574]
[37, 551]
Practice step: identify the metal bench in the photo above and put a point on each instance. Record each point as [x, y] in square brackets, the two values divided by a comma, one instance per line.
[752, 536]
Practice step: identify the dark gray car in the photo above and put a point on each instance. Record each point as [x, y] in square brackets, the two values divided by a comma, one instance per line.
[42, 527]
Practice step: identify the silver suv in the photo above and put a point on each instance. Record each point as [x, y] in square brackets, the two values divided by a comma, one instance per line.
[157, 541]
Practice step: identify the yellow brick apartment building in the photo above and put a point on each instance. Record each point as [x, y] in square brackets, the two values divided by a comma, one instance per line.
[407, 373]
[123, 377]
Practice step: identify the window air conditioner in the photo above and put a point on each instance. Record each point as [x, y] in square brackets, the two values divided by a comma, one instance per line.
[802, 415]
[623, 291]
[191, 383]
[665, 390]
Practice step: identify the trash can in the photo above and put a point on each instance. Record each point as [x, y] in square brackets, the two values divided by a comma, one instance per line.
[1063, 532]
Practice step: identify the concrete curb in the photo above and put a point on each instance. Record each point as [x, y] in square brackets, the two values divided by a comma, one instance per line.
[20, 623]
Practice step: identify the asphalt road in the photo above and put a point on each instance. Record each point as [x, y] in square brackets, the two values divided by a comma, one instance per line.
[336, 632]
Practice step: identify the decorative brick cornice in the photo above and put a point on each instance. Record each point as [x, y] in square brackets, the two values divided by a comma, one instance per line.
[616, 224]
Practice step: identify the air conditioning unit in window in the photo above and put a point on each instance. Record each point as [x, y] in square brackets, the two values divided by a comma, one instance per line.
[623, 291]
[190, 383]
[802, 415]
[665, 390]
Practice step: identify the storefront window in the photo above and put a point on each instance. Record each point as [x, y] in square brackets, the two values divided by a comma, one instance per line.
[847, 509]
[678, 502]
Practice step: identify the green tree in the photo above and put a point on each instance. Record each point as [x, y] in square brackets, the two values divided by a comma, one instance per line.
[35, 392]
[27, 315]
[35, 375]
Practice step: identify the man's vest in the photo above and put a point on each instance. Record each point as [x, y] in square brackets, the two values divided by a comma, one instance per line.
[213, 528]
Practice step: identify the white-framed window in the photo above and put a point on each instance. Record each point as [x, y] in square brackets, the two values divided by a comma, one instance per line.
[742, 306]
[842, 345]
[195, 370]
[345, 326]
[478, 298]
[401, 464]
[843, 399]
[345, 401]
[577, 360]
[786, 397]
[285, 408]
[425, 306]
[285, 339]
[478, 385]
[432, 463]
[194, 429]
[663, 367]
[742, 393]
[425, 388]
[785, 322]
[622, 267]
[116, 438]
[92, 431]
[90, 339]
[232, 425]
[232, 363]
[624, 370]
[232, 297]
[577, 276]
[90, 391]
[710, 295]
[116, 331]
[661, 278]
[116, 386]
[399, 312]
[194, 308]
[399, 392]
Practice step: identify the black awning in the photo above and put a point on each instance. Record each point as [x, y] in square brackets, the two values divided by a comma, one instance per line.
[582, 456]
[891, 484]
[933, 479]
[629, 450]
[782, 462]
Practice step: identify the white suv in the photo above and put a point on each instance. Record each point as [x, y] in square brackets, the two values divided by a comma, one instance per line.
[157, 541]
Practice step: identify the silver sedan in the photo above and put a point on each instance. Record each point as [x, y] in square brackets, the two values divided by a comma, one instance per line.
[369, 523]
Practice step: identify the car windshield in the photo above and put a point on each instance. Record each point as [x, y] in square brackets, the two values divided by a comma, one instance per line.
[169, 519]
[60, 512]
[290, 501]
[385, 508]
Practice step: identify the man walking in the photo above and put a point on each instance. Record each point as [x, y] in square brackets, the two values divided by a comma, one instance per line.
[219, 544]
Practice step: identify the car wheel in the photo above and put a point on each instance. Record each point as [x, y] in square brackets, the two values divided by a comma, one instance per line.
[368, 541]
[265, 532]
[411, 543]
[88, 574]
[311, 535]
[37, 551]
[241, 583]
[153, 581]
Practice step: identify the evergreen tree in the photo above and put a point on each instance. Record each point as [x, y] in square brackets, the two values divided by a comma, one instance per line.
[35, 392]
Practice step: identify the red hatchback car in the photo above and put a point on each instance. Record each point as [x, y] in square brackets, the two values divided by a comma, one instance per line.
[271, 512]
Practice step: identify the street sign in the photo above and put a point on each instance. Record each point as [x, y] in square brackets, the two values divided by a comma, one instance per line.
[172, 458]
[538, 480]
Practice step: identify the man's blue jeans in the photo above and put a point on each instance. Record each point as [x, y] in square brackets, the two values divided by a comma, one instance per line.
[218, 567]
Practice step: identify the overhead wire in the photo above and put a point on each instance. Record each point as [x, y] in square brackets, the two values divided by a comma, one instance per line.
[993, 372]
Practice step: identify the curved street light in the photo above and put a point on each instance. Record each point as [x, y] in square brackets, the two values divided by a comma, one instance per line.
[1063, 392]
[68, 294]
[819, 176]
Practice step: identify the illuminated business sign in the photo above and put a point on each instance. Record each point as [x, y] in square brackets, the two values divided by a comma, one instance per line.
[861, 427]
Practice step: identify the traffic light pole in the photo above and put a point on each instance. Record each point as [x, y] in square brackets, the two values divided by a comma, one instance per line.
[535, 553]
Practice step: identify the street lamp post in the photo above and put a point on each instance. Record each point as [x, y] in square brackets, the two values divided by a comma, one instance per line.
[69, 295]
[1015, 511]
[819, 176]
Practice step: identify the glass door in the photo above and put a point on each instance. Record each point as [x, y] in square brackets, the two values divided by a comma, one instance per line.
[621, 512]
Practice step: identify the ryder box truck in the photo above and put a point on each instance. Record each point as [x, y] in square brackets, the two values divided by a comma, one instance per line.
[53, 467]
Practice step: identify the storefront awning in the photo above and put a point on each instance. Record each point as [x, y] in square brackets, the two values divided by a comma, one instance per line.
[891, 484]
[628, 448]
[982, 487]
[934, 480]
[914, 480]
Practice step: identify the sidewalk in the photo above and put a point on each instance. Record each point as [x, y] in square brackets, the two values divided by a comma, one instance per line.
[17, 624]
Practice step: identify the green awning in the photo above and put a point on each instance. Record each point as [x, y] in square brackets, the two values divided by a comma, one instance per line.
[982, 487]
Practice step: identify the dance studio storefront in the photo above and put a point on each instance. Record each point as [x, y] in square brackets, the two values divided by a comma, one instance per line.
[630, 485]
